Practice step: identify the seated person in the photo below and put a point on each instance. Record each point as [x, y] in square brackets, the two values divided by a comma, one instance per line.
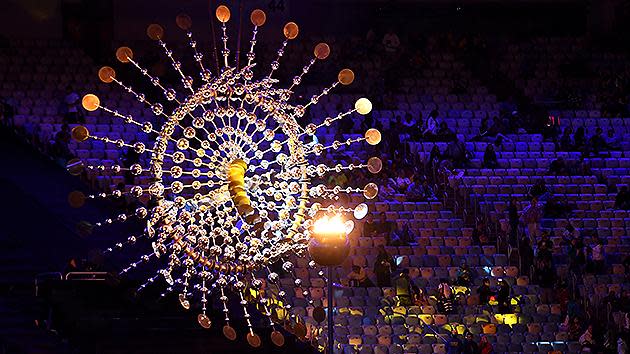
[403, 288]
[464, 275]
[539, 190]
[457, 153]
[444, 133]
[419, 297]
[598, 143]
[484, 292]
[358, 278]
[490, 157]
[613, 142]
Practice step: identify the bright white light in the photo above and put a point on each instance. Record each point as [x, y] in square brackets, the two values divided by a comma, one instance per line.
[329, 226]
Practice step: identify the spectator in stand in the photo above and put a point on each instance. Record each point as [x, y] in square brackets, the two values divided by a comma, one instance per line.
[579, 139]
[484, 292]
[574, 328]
[539, 190]
[402, 181]
[566, 140]
[419, 297]
[612, 141]
[597, 142]
[558, 167]
[431, 126]
[503, 297]
[445, 297]
[570, 232]
[71, 112]
[411, 127]
[415, 191]
[62, 139]
[387, 191]
[454, 343]
[464, 275]
[383, 226]
[531, 217]
[490, 158]
[469, 346]
[545, 278]
[480, 235]
[526, 253]
[444, 133]
[370, 228]
[598, 256]
[391, 42]
[484, 346]
[403, 288]
[457, 153]
[429, 195]
[622, 199]
[403, 236]
[586, 340]
[383, 267]
[513, 219]
[577, 258]
[434, 158]
[358, 278]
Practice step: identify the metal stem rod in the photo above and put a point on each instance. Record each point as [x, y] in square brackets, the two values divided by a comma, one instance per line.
[331, 340]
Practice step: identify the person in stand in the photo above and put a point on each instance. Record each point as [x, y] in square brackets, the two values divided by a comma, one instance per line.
[503, 297]
[566, 140]
[415, 191]
[531, 217]
[613, 142]
[579, 139]
[457, 153]
[358, 278]
[403, 288]
[445, 297]
[586, 340]
[444, 133]
[598, 256]
[485, 292]
[480, 235]
[513, 219]
[431, 126]
[490, 157]
[62, 139]
[484, 346]
[435, 157]
[72, 113]
[383, 267]
[597, 142]
[454, 343]
[370, 228]
[464, 275]
[391, 42]
[526, 253]
[539, 190]
[470, 346]
[419, 297]
[577, 257]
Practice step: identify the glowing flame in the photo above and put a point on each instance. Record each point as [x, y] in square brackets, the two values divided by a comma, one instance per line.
[329, 226]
